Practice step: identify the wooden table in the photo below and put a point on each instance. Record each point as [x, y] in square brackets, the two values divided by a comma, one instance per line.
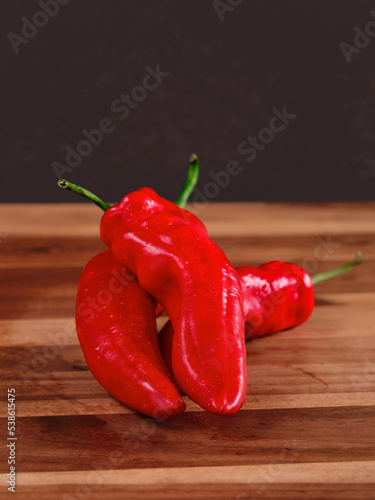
[307, 429]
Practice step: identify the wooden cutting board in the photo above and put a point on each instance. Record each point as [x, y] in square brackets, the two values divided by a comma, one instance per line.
[307, 428]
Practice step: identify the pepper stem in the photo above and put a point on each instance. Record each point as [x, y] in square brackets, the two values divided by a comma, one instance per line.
[339, 270]
[83, 192]
[191, 181]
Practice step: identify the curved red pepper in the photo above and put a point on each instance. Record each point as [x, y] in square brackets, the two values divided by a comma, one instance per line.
[168, 249]
[115, 319]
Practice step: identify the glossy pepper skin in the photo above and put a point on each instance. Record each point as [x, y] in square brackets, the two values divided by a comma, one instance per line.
[277, 295]
[169, 251]
[115, 319]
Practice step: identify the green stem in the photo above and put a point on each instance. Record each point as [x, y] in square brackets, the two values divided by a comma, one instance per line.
[339, 270]
[83, 192]
[191, 181]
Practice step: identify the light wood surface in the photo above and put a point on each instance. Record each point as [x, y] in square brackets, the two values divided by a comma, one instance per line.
[307, 428]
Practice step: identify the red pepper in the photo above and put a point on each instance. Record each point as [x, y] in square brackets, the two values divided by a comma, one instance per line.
[115, 319]
[168, 249]
[277, 295]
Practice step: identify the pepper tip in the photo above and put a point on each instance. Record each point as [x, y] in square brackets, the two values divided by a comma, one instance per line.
[193, 158]
[359, 257]
[62, 183]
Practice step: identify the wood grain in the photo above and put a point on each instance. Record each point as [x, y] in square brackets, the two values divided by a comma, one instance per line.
[306, 429]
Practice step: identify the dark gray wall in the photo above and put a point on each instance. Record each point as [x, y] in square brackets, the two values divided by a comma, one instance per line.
[225, 79]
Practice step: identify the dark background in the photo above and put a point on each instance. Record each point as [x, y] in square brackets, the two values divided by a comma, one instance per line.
[225, 79]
